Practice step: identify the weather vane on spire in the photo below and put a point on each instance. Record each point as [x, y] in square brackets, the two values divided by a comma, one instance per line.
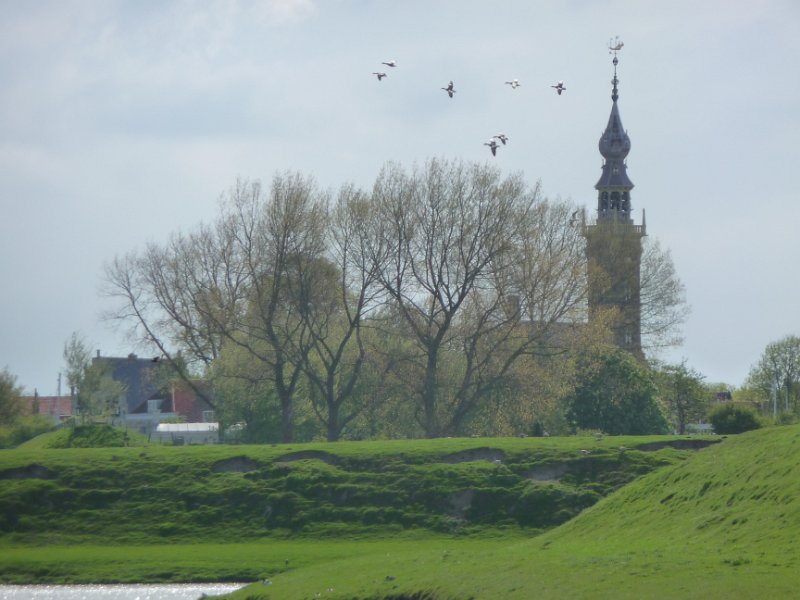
[615, 46]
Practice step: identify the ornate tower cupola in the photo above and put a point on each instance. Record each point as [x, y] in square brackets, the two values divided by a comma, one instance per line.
[614, 187]
[613, 241]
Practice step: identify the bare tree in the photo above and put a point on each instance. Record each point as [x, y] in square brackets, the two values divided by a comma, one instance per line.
[345, 288]
[232, 284]
[662, 298]
[458, 263]
[536, 306]
[474, 270]
[182, 296]
[281, 241]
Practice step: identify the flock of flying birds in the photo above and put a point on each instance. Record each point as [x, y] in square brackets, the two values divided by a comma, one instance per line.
[451, 91]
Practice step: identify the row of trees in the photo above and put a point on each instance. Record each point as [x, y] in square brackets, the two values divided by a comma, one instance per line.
[447, 300]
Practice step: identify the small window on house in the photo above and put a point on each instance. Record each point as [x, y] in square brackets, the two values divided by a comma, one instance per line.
[208, 416]
[154, 406]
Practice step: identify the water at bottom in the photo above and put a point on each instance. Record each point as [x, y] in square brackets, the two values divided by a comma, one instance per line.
[183, 591]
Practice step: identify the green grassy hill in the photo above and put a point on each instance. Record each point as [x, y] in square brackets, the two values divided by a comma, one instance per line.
[723, 524]
[232, 494]
[436, 519]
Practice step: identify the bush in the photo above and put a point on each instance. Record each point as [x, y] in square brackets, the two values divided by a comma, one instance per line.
[92, 436]
[786, 418]
[615, 393]
[732, 418]
[24, 429]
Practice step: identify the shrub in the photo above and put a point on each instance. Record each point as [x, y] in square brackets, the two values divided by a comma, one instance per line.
[786, 418]
[92, 436]
[615, 393]
[732, 418]
[24, 429]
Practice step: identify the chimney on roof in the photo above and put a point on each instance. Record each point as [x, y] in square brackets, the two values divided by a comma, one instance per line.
[98, 353]
[131, 356]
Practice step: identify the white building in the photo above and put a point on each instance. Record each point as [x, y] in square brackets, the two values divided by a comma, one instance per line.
[186, 433]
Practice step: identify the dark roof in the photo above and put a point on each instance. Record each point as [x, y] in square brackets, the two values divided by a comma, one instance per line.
[139, 375]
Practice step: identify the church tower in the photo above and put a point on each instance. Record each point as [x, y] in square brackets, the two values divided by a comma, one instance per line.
[613, 240]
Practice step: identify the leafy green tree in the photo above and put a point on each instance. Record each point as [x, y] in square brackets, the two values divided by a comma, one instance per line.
[732, 418]
[683, 393]
[382, 390]
[532, 402]
[10, 393]
[755, 396]
[615, 393]
[95, 394]
[245, 397]
[77, 358]
[777, 374]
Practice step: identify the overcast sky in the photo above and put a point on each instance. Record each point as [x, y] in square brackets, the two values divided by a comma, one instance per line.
[121, 122]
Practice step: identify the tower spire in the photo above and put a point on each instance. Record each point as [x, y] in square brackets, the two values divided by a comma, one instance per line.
[614, 186]
[615, 46]
[614, 242]
[615, 81]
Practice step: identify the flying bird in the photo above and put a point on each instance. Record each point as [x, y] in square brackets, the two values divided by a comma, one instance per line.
[379, 75]
[502, 137]
[559, 87]
[390, 63]
[492, 146]
[449, 89]
[514, 83]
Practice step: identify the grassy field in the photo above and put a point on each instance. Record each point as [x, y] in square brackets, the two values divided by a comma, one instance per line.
[721, 525]
[437, 519]
[160, 494]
